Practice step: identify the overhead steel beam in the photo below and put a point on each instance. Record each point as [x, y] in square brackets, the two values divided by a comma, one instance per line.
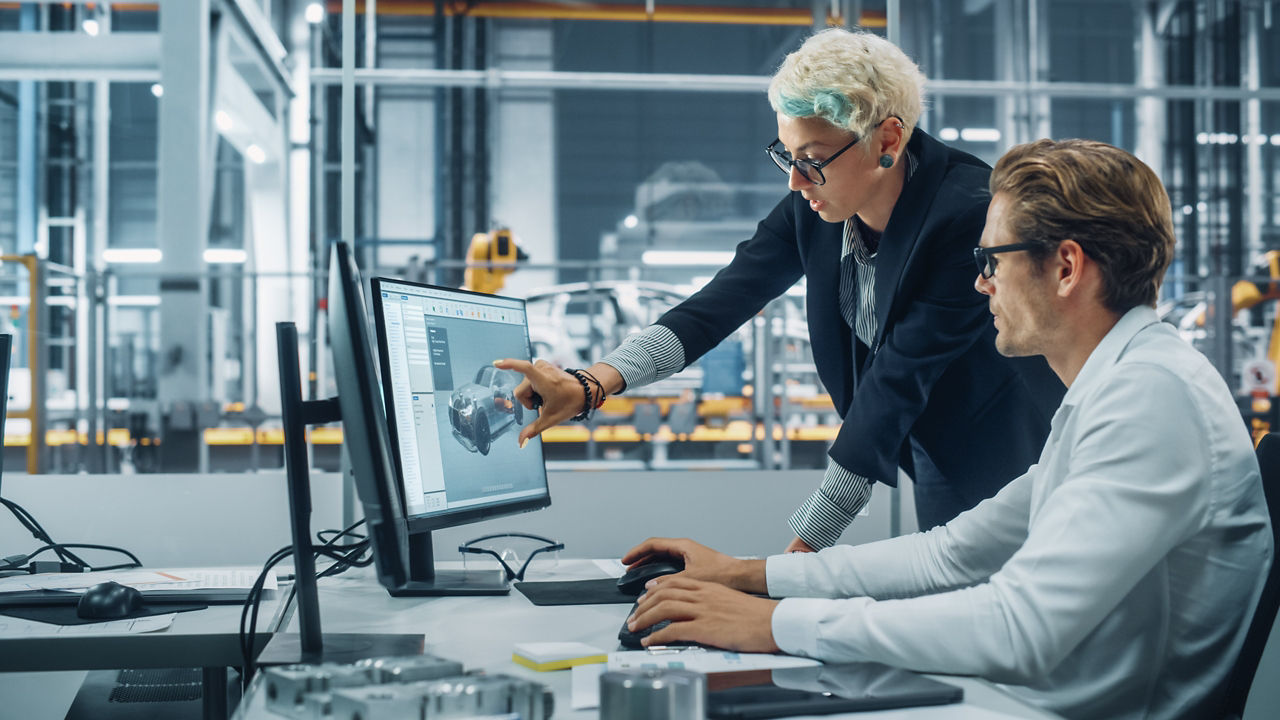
[254, 26]
[505, 79]
[72, 57]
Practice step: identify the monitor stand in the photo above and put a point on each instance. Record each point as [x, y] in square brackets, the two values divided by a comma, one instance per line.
[310, 644]
[425, 580]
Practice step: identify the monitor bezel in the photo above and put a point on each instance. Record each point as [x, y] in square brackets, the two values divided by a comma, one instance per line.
[363, 419]
[466, 515]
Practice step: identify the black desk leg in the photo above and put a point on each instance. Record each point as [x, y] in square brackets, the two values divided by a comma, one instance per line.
[215, 693]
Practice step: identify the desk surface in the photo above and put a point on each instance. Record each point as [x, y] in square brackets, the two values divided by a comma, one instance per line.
[480, 633]
[202, 638]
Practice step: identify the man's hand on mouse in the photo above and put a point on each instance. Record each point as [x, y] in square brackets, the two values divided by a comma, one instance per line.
[705, 613]
[702, 563]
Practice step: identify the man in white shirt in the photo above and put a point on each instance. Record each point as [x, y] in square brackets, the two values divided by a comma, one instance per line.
[1117, 577]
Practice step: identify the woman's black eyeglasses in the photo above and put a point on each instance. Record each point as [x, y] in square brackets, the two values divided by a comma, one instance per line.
[551, 546]
[810, 170]
[985, 256]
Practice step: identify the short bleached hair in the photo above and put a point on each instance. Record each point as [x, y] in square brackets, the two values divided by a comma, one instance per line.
[853, 80]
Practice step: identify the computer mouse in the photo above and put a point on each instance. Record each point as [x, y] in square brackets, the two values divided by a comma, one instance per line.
[109, 601]
[632, 581]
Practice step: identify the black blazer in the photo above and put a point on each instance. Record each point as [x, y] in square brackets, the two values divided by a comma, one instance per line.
[934, 374]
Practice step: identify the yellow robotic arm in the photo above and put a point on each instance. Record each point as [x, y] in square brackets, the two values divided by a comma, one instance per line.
[491, 257]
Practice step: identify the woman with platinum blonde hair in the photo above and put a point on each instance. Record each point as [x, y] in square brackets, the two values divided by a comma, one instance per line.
[882, 220]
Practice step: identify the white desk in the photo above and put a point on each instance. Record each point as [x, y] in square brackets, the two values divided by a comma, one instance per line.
[480, 633]
[207, 639]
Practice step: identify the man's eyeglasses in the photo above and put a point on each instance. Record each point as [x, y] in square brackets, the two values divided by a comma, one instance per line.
[504, 554]
[986, 260]
[810, 170]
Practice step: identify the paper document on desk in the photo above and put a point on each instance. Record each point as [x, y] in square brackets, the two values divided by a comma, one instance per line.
[702, 660]
[11, 627]
[159, 580]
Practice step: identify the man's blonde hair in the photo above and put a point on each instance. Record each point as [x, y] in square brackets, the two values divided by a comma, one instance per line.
[1102, 197]
[853, 80]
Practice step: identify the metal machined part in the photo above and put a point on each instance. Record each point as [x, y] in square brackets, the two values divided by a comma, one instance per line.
[401, 670]
[288, 686]
[453, 697]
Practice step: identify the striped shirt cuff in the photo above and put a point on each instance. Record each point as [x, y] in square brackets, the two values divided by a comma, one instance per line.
[824, 516]
[647, 356]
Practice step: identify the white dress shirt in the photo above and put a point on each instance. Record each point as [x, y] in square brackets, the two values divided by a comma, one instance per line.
[1116, 578]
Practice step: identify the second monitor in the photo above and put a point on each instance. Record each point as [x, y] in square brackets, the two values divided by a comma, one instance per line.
[452, 415]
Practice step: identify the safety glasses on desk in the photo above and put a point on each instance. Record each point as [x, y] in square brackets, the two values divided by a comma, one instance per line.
[505, 553]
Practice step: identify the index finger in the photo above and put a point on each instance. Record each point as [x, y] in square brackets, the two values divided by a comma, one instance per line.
[524, 367]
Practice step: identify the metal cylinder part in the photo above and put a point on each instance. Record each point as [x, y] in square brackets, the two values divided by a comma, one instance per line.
[653, 694]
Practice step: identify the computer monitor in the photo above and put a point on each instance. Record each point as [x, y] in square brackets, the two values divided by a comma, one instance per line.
[402, 540]
[452, 415]
[6, 347]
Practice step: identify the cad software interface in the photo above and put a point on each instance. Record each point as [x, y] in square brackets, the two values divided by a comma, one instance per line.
[454, 413]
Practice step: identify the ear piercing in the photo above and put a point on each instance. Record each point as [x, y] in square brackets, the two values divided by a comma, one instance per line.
[886, 160]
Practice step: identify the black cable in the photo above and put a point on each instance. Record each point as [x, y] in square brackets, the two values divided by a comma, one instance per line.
[28, 521]
[33, 526]
[17, 563]
[345, 557]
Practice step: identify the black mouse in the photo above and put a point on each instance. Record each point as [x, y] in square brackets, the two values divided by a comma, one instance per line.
[632, 581]
[109, 601]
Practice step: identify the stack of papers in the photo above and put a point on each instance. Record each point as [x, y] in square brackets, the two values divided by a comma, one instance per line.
[229, 583]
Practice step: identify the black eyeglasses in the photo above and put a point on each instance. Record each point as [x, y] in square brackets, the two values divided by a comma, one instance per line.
[985, 256]
[810, 170]
[550, 546]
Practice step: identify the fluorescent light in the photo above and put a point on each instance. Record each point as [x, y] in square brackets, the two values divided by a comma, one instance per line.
[134, 300]
[948, 134]
[1202, 206]
[1187, 209]
[686, 257]
[225, 256]
[256, 154]
[132, 255]
[314, 13]
[1202, 138]
[91, 27]
[980, 135]
[630, 221]
[1275, 139]
[157, 89]
[10, 300]
[223, 121]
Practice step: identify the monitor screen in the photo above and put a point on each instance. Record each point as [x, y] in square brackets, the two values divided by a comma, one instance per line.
[453, 416]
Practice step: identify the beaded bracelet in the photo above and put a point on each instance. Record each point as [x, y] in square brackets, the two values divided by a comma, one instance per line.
[599, 389]
[586, 395]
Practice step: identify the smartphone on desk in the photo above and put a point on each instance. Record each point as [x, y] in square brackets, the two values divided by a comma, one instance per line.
[822, 690]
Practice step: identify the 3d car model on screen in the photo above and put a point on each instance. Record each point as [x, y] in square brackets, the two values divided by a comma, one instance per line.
[484, 409]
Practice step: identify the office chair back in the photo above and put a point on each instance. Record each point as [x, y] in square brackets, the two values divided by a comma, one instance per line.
[1241, 678]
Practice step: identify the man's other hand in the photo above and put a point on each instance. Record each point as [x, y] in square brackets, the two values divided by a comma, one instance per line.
[705, 613]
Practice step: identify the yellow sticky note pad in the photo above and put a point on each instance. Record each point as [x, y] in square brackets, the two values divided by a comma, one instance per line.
[544, 656]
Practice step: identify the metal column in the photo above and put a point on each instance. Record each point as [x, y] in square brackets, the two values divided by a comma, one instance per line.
[184, 198]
